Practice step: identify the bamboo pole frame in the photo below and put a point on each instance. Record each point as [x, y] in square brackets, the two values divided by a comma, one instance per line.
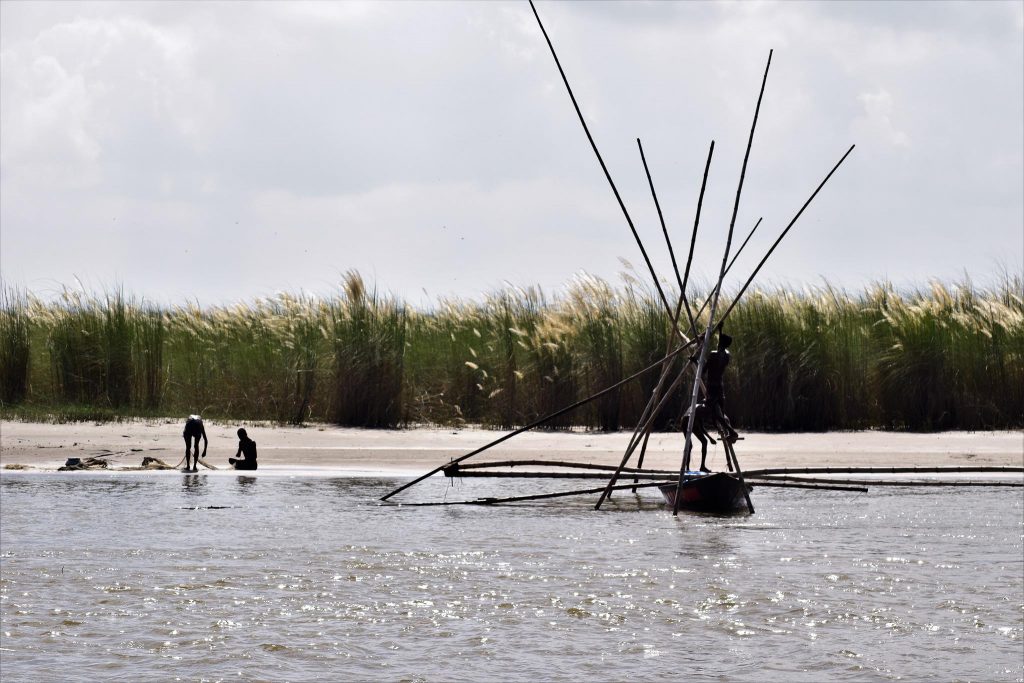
[688, 446]
[658, 399]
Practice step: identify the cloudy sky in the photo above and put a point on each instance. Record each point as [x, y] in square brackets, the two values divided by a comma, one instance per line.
[227, 151]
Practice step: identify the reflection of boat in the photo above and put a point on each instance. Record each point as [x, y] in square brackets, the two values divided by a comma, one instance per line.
[716, 492]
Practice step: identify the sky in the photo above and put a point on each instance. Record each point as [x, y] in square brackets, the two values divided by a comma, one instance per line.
[226, 151]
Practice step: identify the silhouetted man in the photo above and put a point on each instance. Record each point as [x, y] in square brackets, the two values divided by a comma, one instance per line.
[246, 447]
[714, 383]
[193, 430]
[700, 424]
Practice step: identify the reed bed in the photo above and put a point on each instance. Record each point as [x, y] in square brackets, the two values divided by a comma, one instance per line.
[946, 356]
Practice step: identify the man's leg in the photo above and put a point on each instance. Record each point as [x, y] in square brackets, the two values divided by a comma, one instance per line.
[702, 437]
[723, 420]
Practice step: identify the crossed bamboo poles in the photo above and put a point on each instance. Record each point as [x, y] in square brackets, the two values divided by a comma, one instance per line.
[677, 341]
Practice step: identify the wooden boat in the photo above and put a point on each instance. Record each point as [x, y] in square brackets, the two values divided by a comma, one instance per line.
[715, 492]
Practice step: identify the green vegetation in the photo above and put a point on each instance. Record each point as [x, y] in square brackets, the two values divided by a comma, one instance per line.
[944, 357]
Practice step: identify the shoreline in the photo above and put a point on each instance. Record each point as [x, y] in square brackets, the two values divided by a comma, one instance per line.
[319, 450]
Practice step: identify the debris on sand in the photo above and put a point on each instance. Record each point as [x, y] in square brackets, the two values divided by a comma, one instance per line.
[75, 464]
[150, 463]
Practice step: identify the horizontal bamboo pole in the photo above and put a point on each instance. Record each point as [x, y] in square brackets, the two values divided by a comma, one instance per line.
[646, 474]
[884, 482]
[539, 496]
[549, 463]
[794, 485]
[885, 470]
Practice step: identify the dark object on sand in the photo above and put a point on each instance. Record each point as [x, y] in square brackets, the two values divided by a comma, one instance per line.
[151, 463]
[75, 464]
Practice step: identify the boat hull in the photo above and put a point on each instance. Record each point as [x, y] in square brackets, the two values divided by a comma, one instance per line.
[718, 492]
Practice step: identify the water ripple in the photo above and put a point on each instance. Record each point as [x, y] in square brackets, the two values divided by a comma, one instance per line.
[305, 580]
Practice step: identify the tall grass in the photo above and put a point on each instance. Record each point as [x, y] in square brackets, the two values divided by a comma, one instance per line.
[938, 357]
[593, 315]
[14, 346]
[368, 345]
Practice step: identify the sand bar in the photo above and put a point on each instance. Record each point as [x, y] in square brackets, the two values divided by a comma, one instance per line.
[328, 449]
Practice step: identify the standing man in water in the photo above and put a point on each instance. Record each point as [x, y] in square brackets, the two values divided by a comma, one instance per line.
[193, 430]
[714, 384]
[246, 447]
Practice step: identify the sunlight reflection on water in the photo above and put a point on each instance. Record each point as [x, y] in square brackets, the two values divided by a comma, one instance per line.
[120, 577]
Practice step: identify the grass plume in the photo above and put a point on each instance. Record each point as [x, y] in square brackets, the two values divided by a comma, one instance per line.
[946, 356]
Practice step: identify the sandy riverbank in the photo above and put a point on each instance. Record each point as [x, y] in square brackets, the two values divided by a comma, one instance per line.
[410, 451]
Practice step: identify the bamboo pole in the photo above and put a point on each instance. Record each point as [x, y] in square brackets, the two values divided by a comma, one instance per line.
[739, 473]
[771, 249]
[740, 250]
[547, 463]
[661, 217]
[820, 487]
[693, 237]
[584, 492]
[640, 458]
[946, 469]
[683, 300]
[681, 281]
[632, 447]
[538, 496]
[546, 418]
[689, 260]
[655, 399]
[729, 267]
[685, 280]
[618, 197]
[584, 474]
[774, 245]
[600, 160]
[666, 368]
[688, 447]
[664, 231]
[663, 476]
[655, 395]
[759, 481]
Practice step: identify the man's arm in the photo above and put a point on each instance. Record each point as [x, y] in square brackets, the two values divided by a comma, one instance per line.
[205, 441]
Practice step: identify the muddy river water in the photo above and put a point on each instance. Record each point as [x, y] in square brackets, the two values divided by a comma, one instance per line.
[223, 577]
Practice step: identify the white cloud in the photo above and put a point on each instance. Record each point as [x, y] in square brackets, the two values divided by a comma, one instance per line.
[878, 109]
[338, 135]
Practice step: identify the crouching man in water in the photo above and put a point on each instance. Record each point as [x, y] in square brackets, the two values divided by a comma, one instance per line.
[193, 430]
[246, 447]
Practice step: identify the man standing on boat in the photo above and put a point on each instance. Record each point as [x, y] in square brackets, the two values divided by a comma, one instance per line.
[714, 384]
[193, 430]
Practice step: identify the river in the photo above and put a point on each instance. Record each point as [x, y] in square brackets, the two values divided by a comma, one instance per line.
[169, 576]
